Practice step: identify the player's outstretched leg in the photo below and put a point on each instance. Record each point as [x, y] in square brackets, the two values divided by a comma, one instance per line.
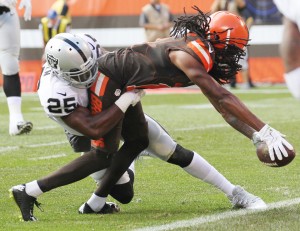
[24, 202]
[242, 199]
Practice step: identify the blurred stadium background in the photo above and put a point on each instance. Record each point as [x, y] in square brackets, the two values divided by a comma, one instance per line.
[115, 24]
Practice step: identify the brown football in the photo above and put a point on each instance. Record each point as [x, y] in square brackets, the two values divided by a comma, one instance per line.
[263, 155]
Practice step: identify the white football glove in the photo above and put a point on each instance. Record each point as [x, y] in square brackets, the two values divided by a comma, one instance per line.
[129, 98]
[275, 141]
[27, 5]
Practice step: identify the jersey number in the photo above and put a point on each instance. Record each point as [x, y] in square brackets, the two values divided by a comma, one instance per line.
[55, 106]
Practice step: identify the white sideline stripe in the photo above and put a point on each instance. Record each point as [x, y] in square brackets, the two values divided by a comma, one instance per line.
[9, 148]
[203, 127]
[48, 157]
[217, 217]
[46, 127]
[260, 91]
[227, 125]
[209, 106]
[45, 144]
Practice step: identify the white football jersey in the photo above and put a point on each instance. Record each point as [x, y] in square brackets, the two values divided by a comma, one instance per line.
[58, 98]
[290, 9]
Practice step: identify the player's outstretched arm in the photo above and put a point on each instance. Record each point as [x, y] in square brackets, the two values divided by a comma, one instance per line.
[230, 107]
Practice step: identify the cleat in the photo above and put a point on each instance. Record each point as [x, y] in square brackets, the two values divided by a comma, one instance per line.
[22, 127]
[108, 208]
[24, 202]
[242, 199]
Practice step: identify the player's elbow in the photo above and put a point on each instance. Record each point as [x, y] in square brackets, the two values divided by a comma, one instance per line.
[96, 134]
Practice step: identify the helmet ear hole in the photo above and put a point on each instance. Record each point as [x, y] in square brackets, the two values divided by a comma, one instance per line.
[216, 36]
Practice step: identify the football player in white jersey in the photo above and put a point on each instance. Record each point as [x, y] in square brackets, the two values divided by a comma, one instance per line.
[290, 45]
[9, 63]
[60, 99]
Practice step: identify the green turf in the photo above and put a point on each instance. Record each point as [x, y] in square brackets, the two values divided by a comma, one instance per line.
[163, 193]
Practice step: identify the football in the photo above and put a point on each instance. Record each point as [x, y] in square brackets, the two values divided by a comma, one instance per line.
[263, 155]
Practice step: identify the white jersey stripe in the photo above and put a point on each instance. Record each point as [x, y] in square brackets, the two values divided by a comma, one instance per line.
[99, 84]
[202, 51]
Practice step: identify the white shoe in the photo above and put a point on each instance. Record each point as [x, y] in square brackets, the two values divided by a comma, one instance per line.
[242, 199]
[20, 128]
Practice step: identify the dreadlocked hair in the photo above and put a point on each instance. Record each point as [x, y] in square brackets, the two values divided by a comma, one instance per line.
[226, 59]
[198, 24]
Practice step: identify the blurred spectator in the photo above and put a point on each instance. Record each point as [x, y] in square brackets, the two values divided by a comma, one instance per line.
[54, 23]
[62, 9]
[157, 19]
[237, 7]
[58, 20]
[9, 62]
[290, 45]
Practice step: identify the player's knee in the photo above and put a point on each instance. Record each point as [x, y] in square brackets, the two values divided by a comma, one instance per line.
[123, 192]
[78, 143]
[9, 64]
[139, 143]
[144, 142]
[181, 156]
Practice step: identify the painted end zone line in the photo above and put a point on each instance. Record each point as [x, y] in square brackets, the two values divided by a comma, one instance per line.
[217, 217]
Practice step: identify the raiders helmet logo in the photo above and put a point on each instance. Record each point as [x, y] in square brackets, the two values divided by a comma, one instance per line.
[52, 61]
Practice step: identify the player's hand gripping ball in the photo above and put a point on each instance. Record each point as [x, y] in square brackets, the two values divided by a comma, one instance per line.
[263, 155]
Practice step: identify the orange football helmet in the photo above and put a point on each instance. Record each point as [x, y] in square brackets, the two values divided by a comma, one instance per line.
[227, 28]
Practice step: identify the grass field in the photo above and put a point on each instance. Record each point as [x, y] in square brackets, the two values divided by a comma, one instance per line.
[164, 194]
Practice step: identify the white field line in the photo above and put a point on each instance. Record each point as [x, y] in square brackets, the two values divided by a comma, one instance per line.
[9, 148]
[209, 106]
[209, 126]
[45, 144]
[217, 217]
[47, 127]
[195, 90]
[204, 127]
[48, 157]
[34, 95]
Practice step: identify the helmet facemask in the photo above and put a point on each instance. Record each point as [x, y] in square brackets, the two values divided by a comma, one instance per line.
[229, 36]
[227, 63]
[82, 77]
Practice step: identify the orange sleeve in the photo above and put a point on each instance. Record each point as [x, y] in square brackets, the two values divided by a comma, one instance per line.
[202, 52]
